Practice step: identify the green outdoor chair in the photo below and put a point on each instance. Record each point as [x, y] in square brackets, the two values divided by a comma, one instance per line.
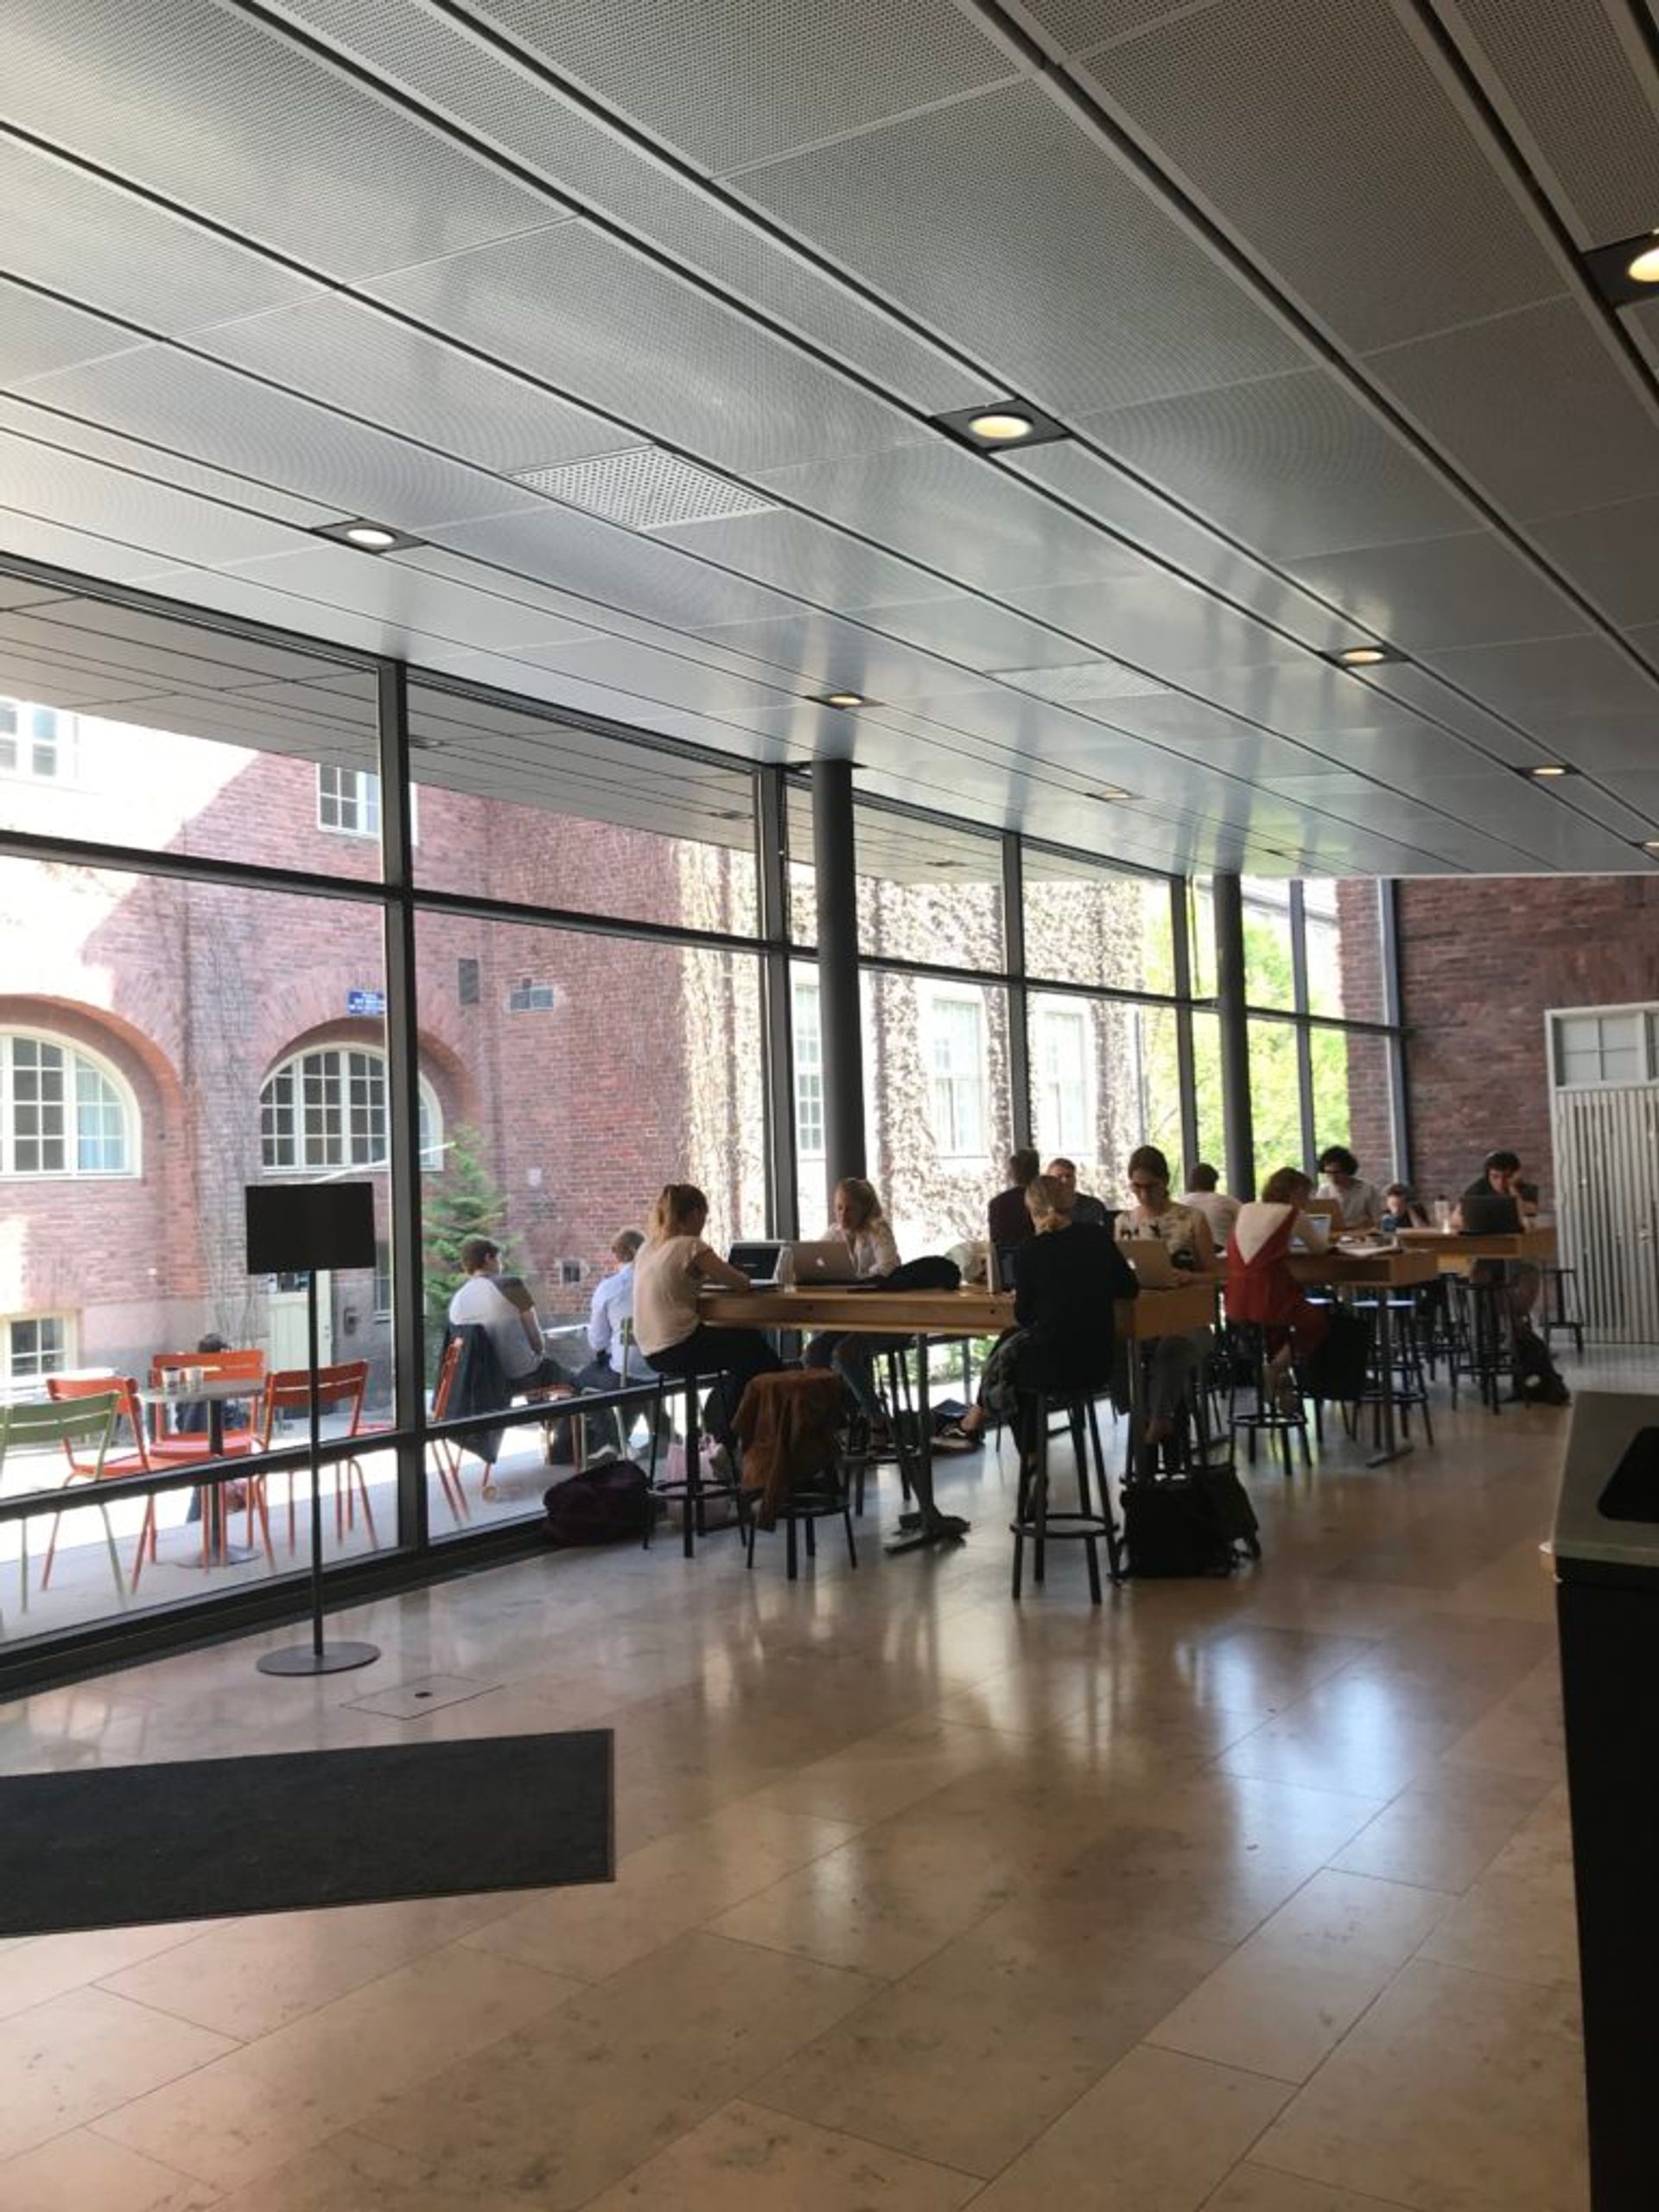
[84, 1427]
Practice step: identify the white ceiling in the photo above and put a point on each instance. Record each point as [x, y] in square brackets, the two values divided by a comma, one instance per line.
[1299, 276]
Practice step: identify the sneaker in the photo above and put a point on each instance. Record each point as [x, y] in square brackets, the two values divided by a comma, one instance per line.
[952, 1436]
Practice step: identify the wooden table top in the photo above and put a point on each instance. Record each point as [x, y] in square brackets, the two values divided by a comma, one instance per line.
[1455, 1252]
[1390, 1270]
[968, 1312]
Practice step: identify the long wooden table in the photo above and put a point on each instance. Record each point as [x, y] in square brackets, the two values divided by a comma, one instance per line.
[1454, 1252]
[941, 1316]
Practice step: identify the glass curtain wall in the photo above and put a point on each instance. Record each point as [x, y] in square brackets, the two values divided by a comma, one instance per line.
[274, 913]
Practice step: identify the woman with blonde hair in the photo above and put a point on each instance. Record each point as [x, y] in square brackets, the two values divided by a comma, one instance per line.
[669, 1274]
[859, 1225]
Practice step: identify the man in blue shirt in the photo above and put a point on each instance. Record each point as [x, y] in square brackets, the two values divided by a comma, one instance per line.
[613, 1306]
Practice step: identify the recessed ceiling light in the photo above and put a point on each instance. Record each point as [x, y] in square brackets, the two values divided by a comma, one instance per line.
[1109, 794]
[1627, 271]
[1650, 844]
[1548, 771]
[843, 699]
[367, 537]
[1001, 425]
[1365, 656]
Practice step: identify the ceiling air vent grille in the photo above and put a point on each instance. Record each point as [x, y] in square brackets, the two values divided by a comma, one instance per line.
[646, 489]
[1081, 680]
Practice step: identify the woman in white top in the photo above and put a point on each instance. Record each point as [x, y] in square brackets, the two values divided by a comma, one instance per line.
[860, 1225]
[1172, 1362]
[669, 1274]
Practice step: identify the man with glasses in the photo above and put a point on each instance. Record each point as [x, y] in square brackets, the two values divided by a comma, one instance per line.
[1085, 1208]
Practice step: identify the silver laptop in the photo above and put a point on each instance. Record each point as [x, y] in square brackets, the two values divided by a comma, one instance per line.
[819, 1263]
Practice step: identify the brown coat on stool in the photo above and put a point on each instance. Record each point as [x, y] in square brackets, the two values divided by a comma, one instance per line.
[788, 1427]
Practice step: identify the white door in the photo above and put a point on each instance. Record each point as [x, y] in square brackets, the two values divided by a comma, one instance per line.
[286, 1323]
[1605, 1111]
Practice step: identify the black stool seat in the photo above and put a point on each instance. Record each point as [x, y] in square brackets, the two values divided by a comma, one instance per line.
[1265, 1415]
[694, 1488]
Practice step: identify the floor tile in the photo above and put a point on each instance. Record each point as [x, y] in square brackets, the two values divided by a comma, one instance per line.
[424, 1694]
[37, 1967]
[1165, 2128]
[969, 2058]
[749, 2159]
[260, 2106]
[1519, 1919]
[661, 1889]
[1445, 1829]
[247, 1978]
[81, 2172]
[350, 2173]
[1250, 2187]
[642, 2058]
[1456, 2093]
[1285, 1999]
[85, 2053]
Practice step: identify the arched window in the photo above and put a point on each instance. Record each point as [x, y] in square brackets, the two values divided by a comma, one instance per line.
[63, 1111]
[328, 1108]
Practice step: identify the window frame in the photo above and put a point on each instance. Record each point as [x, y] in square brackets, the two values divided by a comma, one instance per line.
[11, 1381]
[76, 1057]
[26, 740]
[807, 1067]
[1072, 1133]
[429, 1135]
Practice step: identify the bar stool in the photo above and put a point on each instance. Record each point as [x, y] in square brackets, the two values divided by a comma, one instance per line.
[1560, 1293]
[1481, 1348]
[804, 1508]
[1405, 1383]
[1090, 1520]
[693, 1488]
[1267, 1417]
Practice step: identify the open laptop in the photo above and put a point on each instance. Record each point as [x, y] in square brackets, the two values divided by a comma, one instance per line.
[831, 1262]
[1489, 1213]
[1312, 1233]
[1153, 1262]
[757, 1259]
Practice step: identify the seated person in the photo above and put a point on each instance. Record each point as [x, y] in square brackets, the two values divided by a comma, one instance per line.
[1171, 1360]
[1361, 1201]
[860, 1225]
[1204, 1195]
[1007, 1216]
[1068, 1278]
[669, 1273]
[1087, 1211]
[1498, 1210]
[1403, 1209]
[1261, 1287]
[505, 1309]
[613, 1306]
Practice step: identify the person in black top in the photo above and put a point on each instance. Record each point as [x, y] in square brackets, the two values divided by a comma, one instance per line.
[1491, 1207]
[1007, 1216]
[1067, 1279]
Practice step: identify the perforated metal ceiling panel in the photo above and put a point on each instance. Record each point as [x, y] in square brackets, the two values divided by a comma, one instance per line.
[1611, 553]
[1575, 83]
[693, 373]
[598, 561]
[63, 486]
[1158, 623]
[1066, 280]
[1535, 408]
[1470, 590]
[1409, 228]
[754, 77]
[837, 655]
[670, 679]
[281, 439]
[978, 634]
[644, 489]
[957, 514]
[125, 255]
[797, 553]
[197, 655]
[1547, 685]
[1292, 464]
[1082, 681]
[38, 333]
[357, 359]
[206, 107]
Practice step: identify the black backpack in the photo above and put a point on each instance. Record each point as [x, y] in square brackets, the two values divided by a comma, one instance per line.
[1171, 1527]
[932, 1272]
[610, 1504]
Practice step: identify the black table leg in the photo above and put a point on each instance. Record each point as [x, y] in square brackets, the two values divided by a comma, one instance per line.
[1392, 1447]
[926, 1525]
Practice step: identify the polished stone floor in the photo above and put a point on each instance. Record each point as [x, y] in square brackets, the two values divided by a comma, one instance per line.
[1250, 1896]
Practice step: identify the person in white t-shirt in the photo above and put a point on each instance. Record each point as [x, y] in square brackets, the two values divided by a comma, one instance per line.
[507, 1313]
[1361, 1201]
[1204, 1195]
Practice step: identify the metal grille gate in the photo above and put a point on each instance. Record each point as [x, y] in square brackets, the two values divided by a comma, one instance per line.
[1607, 1186]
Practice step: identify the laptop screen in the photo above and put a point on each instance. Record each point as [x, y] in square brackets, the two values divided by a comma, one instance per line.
[757, 1259]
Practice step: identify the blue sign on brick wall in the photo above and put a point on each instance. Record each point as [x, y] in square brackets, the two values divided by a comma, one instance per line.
[365, 1002]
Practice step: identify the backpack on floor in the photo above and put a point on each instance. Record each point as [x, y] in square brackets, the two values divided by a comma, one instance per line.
[1171, 1528]
[610, 1504]
[1230, 1503]
[1338, 1369]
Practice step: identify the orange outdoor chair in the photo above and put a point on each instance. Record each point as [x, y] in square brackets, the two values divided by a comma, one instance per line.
[444, 1449]
[242, 1366]
[289, 1391]
[142, 1459]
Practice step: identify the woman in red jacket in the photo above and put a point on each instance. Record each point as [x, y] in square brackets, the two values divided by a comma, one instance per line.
[1260, 1285]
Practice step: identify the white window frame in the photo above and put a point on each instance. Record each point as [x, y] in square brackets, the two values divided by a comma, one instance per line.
[958, 1097]
[806, 1039]
[11, 1381]
[77, 1058]
[1063, 1100]
[1606, 1020]
[59, 740]
[317, 1154]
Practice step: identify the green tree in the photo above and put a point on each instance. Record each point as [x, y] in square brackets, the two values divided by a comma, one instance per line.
[464, 1201]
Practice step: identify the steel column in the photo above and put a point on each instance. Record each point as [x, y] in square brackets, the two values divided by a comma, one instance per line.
[1227, 901]
[839, 1014]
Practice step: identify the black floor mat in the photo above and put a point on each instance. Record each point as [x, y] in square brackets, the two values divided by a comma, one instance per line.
[203, 1839]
